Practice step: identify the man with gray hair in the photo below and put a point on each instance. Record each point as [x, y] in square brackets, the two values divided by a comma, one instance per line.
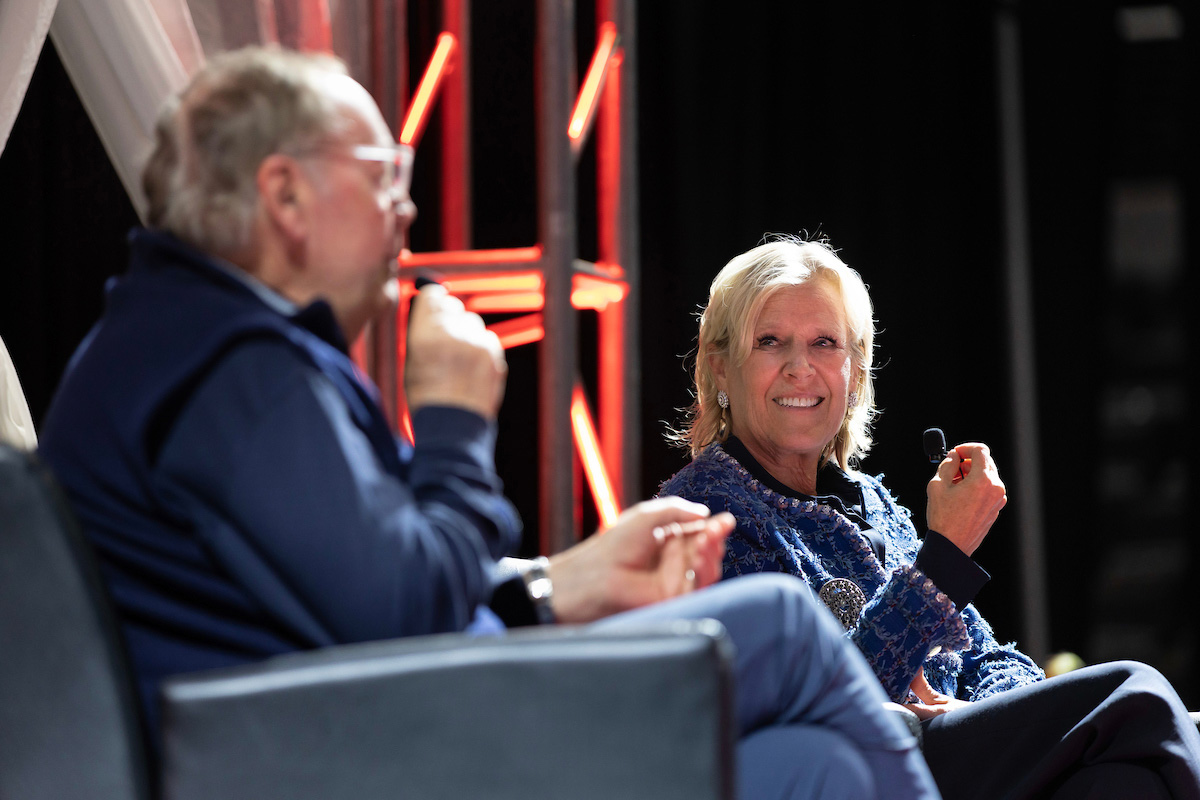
[246, 496]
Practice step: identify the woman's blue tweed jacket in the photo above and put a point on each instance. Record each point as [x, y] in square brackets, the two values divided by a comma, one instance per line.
[905, 616]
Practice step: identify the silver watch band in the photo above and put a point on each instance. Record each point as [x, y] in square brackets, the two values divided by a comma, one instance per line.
[540, 589]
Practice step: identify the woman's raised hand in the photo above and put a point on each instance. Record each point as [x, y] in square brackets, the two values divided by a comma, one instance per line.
[963, 510]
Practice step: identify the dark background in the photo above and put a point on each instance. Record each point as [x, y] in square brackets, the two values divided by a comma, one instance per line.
[876, 125]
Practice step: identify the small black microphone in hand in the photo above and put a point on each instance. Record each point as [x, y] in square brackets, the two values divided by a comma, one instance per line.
[423, 279]
[935, 445]
[935, 449]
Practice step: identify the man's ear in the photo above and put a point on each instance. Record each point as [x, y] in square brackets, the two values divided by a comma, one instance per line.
[284, 193]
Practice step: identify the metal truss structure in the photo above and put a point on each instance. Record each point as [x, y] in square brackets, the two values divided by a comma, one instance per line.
[544, 284]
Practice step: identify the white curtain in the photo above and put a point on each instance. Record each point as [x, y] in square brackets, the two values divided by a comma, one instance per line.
[124, 63]
[126, 57]
[23, 26]
[16, 426]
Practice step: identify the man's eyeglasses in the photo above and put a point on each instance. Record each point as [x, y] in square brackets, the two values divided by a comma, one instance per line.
[397, 162]
[397, 166]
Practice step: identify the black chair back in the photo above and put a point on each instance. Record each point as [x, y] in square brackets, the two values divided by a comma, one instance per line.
[642, 714]
[546, 712]
[68, 724]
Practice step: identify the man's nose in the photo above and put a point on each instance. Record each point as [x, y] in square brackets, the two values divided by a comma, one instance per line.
[405, 210]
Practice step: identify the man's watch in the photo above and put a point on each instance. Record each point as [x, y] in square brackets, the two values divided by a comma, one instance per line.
[540, 589]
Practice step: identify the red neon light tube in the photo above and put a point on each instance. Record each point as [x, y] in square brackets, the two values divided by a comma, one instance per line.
[431, 81]
[508, 302]
[593, 463]
[513, 255]
[521, 330]
[494, 282]
[585, 104]
[590, 295]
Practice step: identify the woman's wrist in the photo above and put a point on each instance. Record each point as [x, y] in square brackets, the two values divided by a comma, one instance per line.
[952, 571]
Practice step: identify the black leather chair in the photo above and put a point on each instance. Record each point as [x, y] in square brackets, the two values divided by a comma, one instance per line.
[68, 724]
[543, 713]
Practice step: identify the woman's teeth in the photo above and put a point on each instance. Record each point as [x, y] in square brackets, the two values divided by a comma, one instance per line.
[797, 402]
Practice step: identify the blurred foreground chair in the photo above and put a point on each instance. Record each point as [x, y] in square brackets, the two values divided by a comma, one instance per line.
[538, 713]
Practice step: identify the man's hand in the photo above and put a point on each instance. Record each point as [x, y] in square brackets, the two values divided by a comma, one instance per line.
[963, 511]
[453, 359]
[656, 550]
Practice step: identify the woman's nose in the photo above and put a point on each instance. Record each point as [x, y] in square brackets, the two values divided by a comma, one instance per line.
[797, 364]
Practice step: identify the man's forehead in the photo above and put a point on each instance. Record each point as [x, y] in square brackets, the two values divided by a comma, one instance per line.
[355, 102]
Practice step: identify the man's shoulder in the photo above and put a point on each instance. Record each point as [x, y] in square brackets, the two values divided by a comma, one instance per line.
[261, 382]
[260, 364]
[159, 340]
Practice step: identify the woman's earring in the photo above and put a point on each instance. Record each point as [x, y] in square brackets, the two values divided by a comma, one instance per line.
[722, 399]
[853, 399]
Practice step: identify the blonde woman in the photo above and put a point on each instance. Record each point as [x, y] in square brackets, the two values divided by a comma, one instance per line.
[784, 401]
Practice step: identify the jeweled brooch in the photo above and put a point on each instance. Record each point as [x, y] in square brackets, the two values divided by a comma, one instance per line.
[845, 599]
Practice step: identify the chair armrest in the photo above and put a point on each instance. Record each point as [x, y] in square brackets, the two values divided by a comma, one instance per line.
[549, 712]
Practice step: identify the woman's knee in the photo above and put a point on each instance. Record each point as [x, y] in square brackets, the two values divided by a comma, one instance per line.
[1135, 670]
[1134, 678]
[1146, 675]
[1129, 690]
[1111, 676]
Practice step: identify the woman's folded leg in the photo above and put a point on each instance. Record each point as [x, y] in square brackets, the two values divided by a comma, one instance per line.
[1065, 735]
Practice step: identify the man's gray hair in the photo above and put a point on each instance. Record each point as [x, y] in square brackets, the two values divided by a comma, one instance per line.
[210, 139]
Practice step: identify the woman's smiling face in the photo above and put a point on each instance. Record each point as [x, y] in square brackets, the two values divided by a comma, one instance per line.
[789, 398]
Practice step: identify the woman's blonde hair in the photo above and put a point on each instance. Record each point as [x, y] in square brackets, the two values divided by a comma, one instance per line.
[736, 298]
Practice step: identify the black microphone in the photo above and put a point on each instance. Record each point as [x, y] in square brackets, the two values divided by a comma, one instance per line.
[426, 277]
[935, 450]
[935, 445]
[423, 278]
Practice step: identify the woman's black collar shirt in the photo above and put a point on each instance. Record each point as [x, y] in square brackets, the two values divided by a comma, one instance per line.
[834, 489]
[954, 572]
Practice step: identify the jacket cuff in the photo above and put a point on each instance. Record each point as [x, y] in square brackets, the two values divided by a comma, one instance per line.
[902, 623]
[512, 604]
[950, 569]
[460, 441]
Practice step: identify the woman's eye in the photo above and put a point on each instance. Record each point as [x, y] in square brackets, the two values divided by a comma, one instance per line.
[766, 341]
[825, 341]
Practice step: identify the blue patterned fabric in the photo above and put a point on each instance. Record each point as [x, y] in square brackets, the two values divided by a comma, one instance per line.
[905, 618]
